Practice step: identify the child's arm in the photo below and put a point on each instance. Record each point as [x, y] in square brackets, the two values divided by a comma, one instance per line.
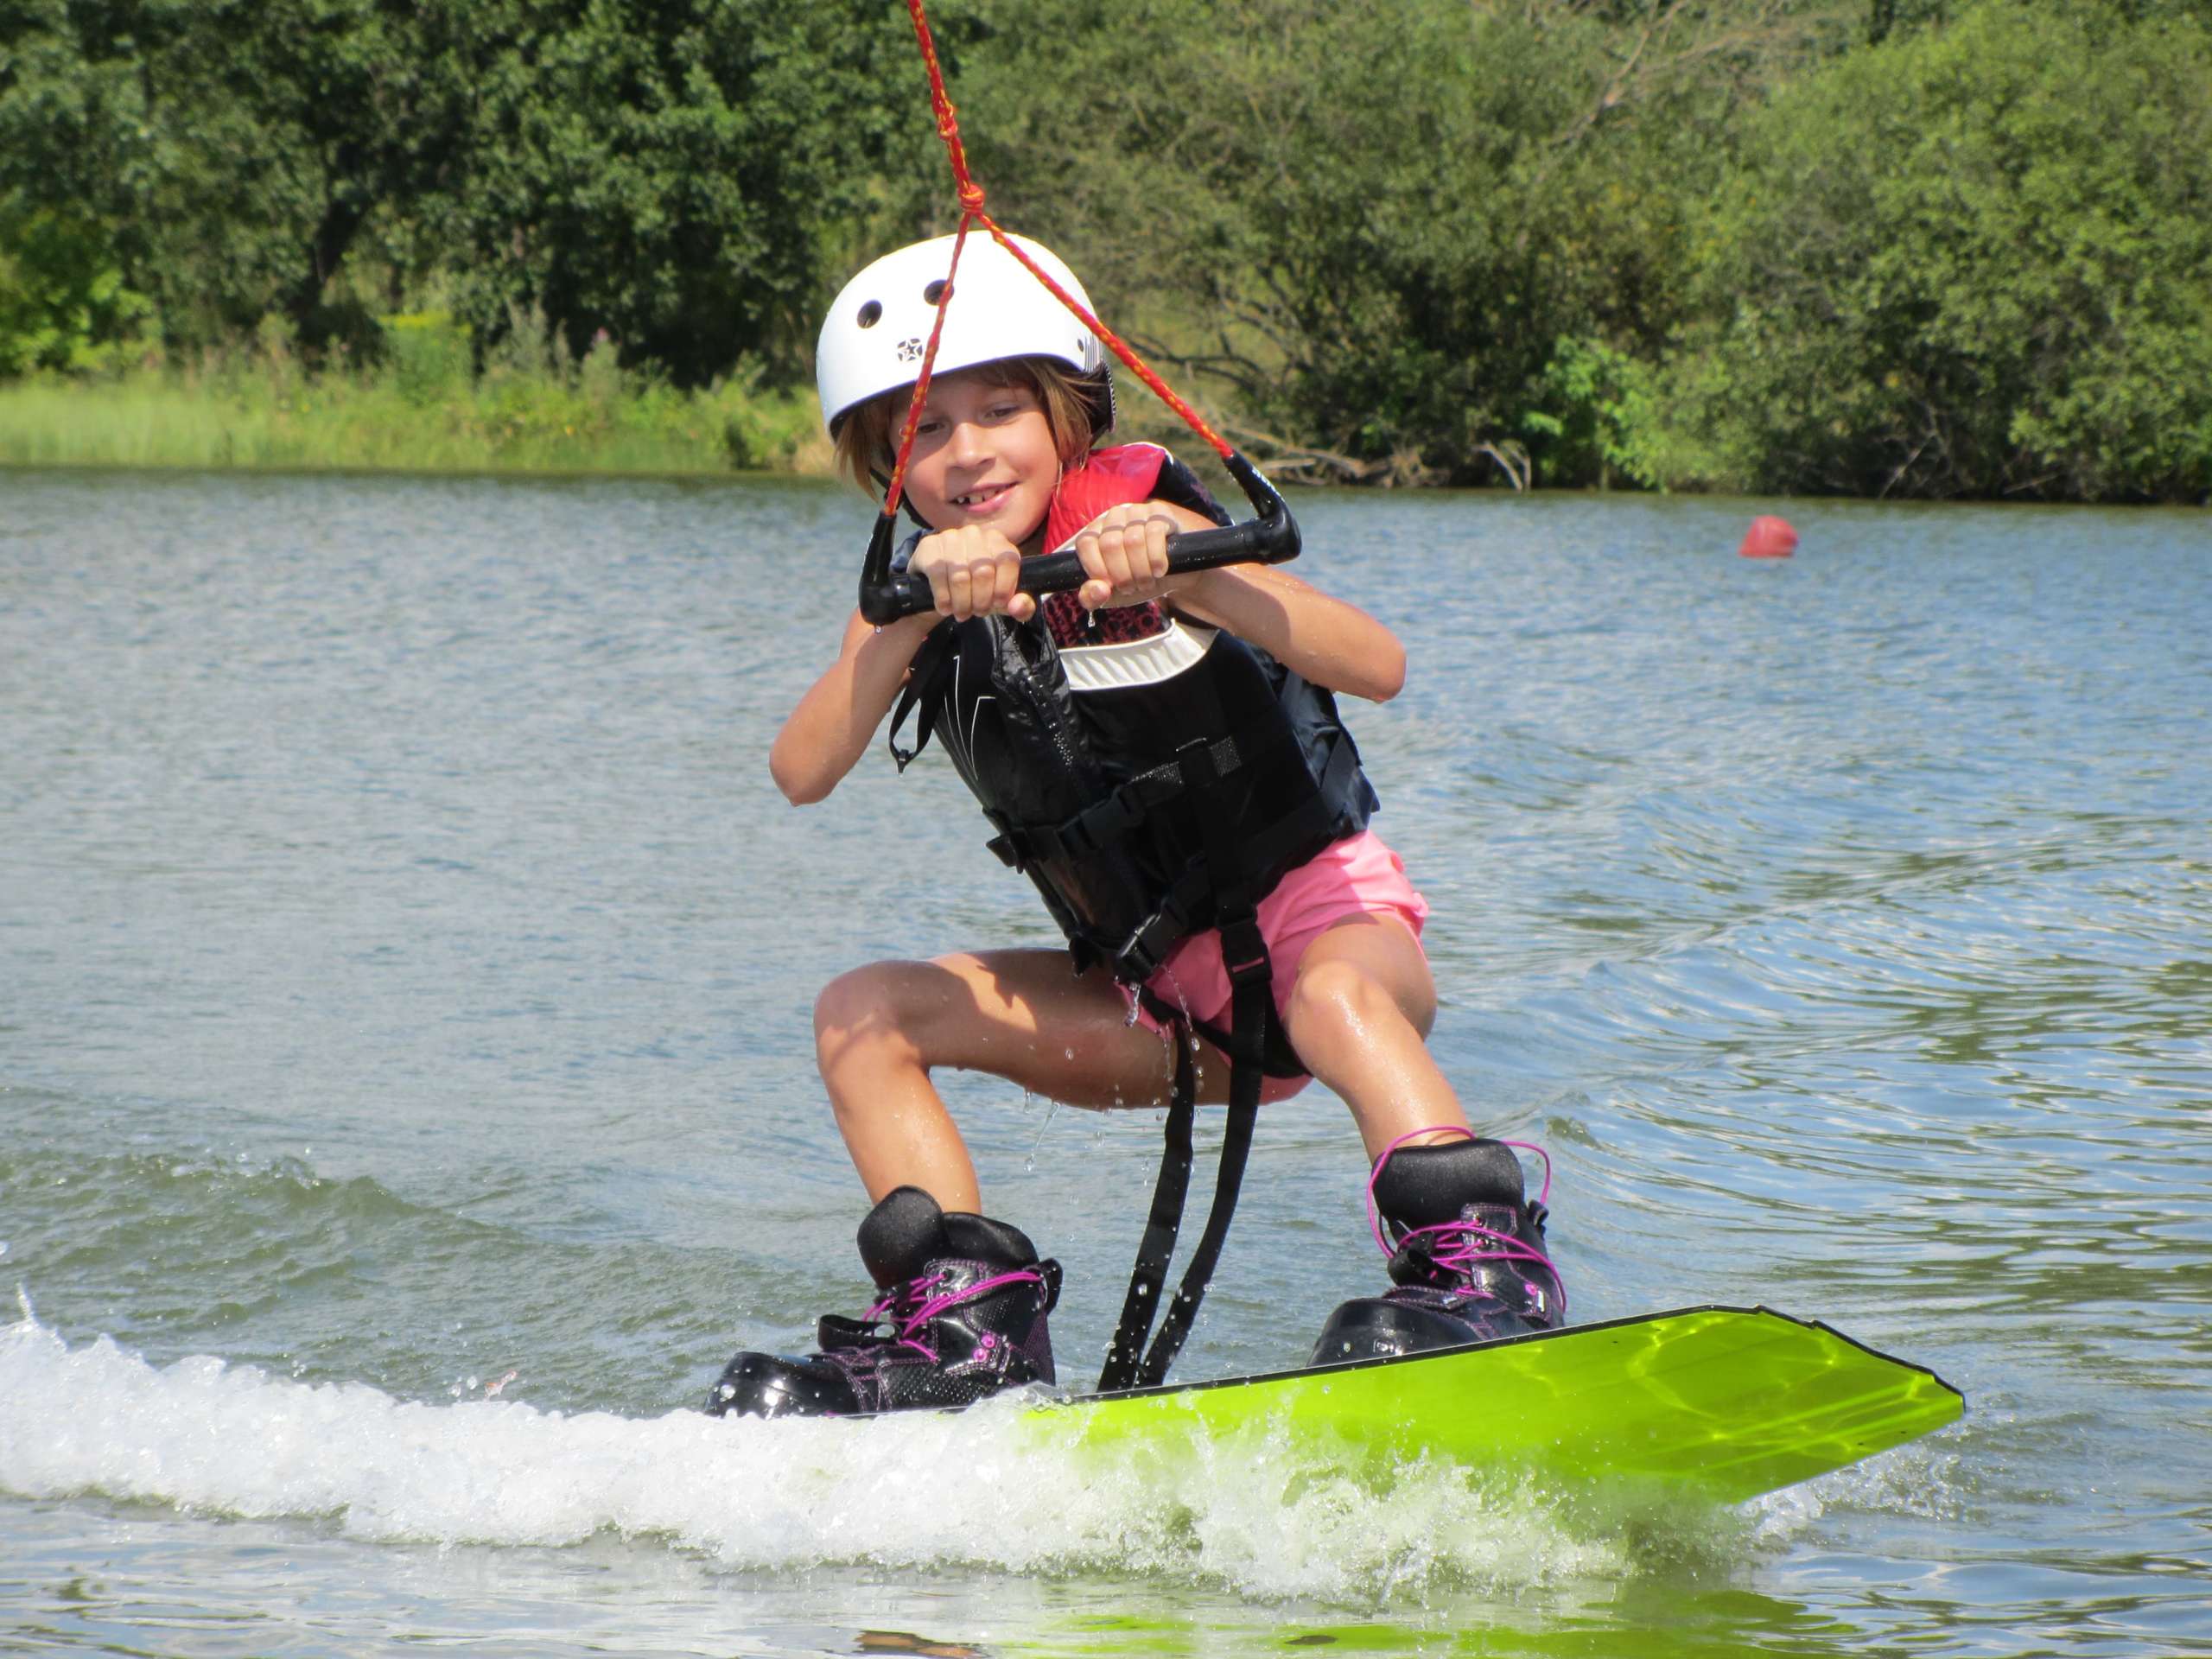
[972, 572]
[1333, 643]
[830, 730]
[1329, 642]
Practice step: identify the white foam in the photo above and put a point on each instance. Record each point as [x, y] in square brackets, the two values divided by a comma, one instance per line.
[1919, 1479]
[913, 1491]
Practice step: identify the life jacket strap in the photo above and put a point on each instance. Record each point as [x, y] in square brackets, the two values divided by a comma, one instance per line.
[1277, 1057]
[1235, 1149]
[1254, 1022]
[921, 678]
[1199, 766]
[1125, 1354]
[1289, 841]
[1252, 1012]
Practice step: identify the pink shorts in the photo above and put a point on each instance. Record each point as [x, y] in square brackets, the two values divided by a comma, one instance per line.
[1358, 876]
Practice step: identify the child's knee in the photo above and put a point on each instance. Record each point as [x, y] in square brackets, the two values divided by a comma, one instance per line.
[856, 1004]
[1336, 999]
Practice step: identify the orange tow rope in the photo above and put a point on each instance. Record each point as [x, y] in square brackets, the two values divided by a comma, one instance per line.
[971, 212]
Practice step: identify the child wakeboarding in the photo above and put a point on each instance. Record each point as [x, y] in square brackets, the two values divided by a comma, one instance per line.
[1162, 756]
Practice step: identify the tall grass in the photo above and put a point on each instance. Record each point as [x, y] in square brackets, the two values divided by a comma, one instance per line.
[419, 407]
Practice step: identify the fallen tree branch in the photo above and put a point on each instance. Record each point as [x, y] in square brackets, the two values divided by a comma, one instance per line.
[1513, 460]
[1293, 459]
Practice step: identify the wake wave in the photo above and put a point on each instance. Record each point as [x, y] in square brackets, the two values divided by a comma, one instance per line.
[917, 1490]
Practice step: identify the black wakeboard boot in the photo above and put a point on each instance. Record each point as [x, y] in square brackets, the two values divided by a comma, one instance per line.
[1467, 1261]
[962, 1316]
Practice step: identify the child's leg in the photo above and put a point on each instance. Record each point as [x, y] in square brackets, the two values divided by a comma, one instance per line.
[880, 1030]
[1358, 1015]
[1470, 1265]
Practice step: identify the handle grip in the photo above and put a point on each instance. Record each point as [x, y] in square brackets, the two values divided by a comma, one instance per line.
[1269, 538]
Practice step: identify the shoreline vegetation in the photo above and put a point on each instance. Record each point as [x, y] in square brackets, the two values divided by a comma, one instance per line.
[1907, 249]
[420, 409]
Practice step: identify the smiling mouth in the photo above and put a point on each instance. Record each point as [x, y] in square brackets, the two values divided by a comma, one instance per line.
[983, 497]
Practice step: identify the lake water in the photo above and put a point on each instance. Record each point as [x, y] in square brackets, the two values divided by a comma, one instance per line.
[407, 1098]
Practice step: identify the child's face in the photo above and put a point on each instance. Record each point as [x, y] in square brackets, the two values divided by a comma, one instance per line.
[983, 455]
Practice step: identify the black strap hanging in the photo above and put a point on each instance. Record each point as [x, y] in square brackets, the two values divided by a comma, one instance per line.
[1252, 1019]
[921, 677]
[1128, 1364]
[1141, 1305]
[1253, 1007]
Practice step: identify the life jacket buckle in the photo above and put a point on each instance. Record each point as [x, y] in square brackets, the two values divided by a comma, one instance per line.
[1010, 843]
[1141, 954]
[1204, 762]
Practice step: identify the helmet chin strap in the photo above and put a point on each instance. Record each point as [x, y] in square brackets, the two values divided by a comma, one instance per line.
[883, 482]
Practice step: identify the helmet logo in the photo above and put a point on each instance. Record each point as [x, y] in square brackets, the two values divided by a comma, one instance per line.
[910, 350]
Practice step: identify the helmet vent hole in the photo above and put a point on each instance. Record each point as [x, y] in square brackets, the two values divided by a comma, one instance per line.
[871, 312]
[934, 292]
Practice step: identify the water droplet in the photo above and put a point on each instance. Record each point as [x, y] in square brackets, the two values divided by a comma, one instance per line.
[1051, 1107]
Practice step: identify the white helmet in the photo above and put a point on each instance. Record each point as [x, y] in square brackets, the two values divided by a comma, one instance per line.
[873, 339]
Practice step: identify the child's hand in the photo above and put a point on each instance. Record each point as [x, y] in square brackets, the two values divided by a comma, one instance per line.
[1124, 553]
[973, 571]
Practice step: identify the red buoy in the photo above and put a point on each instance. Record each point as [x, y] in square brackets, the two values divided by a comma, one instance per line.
[1769, 538]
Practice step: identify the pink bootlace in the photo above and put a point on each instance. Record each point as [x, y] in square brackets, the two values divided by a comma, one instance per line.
[911, 1307]
[1467, 1242]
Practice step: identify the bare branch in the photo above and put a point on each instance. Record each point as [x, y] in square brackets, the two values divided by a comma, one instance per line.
[1288, 457]
[1512, 459]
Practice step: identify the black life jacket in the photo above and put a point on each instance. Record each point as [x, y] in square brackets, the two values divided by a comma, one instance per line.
[1150, 789]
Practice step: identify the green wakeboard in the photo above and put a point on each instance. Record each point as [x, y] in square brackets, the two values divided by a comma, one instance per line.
[1727, 1403]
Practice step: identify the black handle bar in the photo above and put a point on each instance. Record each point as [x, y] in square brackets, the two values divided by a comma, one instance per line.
[1270, 538]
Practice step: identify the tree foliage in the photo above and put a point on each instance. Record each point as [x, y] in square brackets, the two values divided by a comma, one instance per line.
[1925, 246]
[63, 303]
[231, 151]
[1376, 235]
[667, 172]
[673, 173]
[1976, 261]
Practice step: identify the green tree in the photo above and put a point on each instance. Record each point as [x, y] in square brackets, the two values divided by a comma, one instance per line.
[63, 303]
[675, 173]
[667, 171]
[232, 150]
[1375, 232]
[1974, 261]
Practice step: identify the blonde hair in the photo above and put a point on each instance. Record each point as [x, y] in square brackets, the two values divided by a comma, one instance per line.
[867, 438]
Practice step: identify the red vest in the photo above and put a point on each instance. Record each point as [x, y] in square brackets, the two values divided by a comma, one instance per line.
[1108, 478]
